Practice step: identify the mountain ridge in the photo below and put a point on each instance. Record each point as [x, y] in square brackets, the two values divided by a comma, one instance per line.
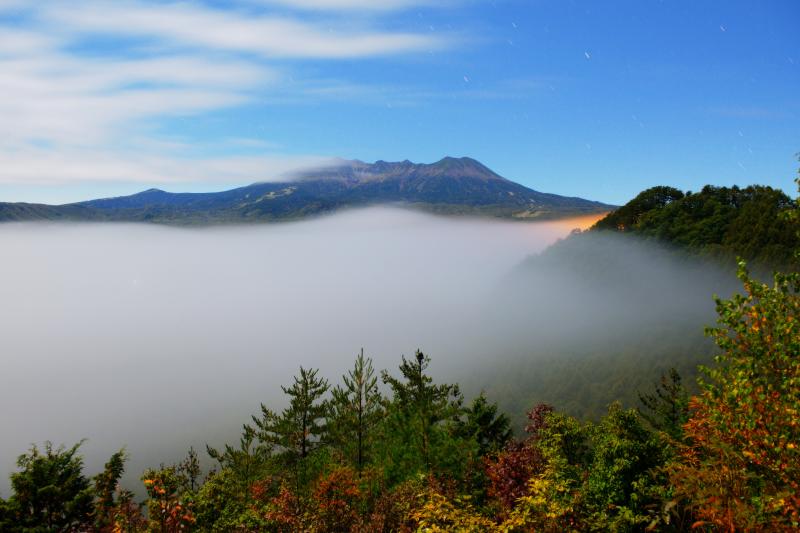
[455, 186]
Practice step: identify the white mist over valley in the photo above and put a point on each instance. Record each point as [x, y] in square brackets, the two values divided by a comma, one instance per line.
[157, 338]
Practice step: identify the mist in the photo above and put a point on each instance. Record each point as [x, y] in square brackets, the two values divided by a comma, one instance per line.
[157, 338]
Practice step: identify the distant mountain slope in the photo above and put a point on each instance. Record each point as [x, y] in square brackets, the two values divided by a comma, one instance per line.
[721, 222]
[450, 186]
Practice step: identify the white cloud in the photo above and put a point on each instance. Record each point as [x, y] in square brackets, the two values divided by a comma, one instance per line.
[16, 43]
[337, 5]
[54, 97]
[197, 26]
[36, 166]
[68, 108]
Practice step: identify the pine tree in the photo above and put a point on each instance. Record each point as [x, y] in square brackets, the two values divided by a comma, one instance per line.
[667, 408]
[422, 420]
[189, 470]
[301, 428]
[356, 409]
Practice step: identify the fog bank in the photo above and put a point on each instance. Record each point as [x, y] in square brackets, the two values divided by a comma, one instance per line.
[158, 338]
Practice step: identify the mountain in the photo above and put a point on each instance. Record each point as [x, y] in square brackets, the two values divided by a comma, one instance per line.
[460, 186]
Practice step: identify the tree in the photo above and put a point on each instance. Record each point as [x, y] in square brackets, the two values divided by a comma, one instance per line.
[105, 488]
[421, 421]
[490, 430]
[741, 468]
[247, 462]
[337, 501]
[189, 470]
[553, 500]
[630, 214]
[225, 500]
[169, 509]
[223, 504]
[50, 492]
[721, 222]
[356, 410]
[301, 428]
[667, 408]
[624, 477]
[510, 470]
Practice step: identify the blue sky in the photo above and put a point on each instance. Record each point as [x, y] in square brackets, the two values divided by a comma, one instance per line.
[585, 98]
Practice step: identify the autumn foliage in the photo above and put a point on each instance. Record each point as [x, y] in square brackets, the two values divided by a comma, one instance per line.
[741, 468]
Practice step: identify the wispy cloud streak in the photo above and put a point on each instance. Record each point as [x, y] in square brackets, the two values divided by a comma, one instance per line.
[70, 106]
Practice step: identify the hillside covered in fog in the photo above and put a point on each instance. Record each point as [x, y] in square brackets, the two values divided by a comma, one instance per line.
[598, 316]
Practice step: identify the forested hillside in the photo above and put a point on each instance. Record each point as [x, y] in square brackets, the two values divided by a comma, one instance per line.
[718, 222]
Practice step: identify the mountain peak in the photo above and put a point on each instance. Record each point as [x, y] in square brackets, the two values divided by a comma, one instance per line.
[462, 166]
[449, 160]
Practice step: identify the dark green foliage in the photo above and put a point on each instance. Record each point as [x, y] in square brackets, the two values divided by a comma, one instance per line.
[50, 492]
[225, 502]
[298, 431]
[356, 410]
[419, 433]
[604, 477]
[720, 222]
[489, 429]
[627, 217]
[667, 407]
[105, 490]
[224, 499]
[625, 478]
[247, 461]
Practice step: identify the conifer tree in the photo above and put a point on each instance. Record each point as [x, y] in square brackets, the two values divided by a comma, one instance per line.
[301, 428]
[422, 419]
[490, 429]
[356, 409]
[50, 492]
[189, 470]
[667, 407]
